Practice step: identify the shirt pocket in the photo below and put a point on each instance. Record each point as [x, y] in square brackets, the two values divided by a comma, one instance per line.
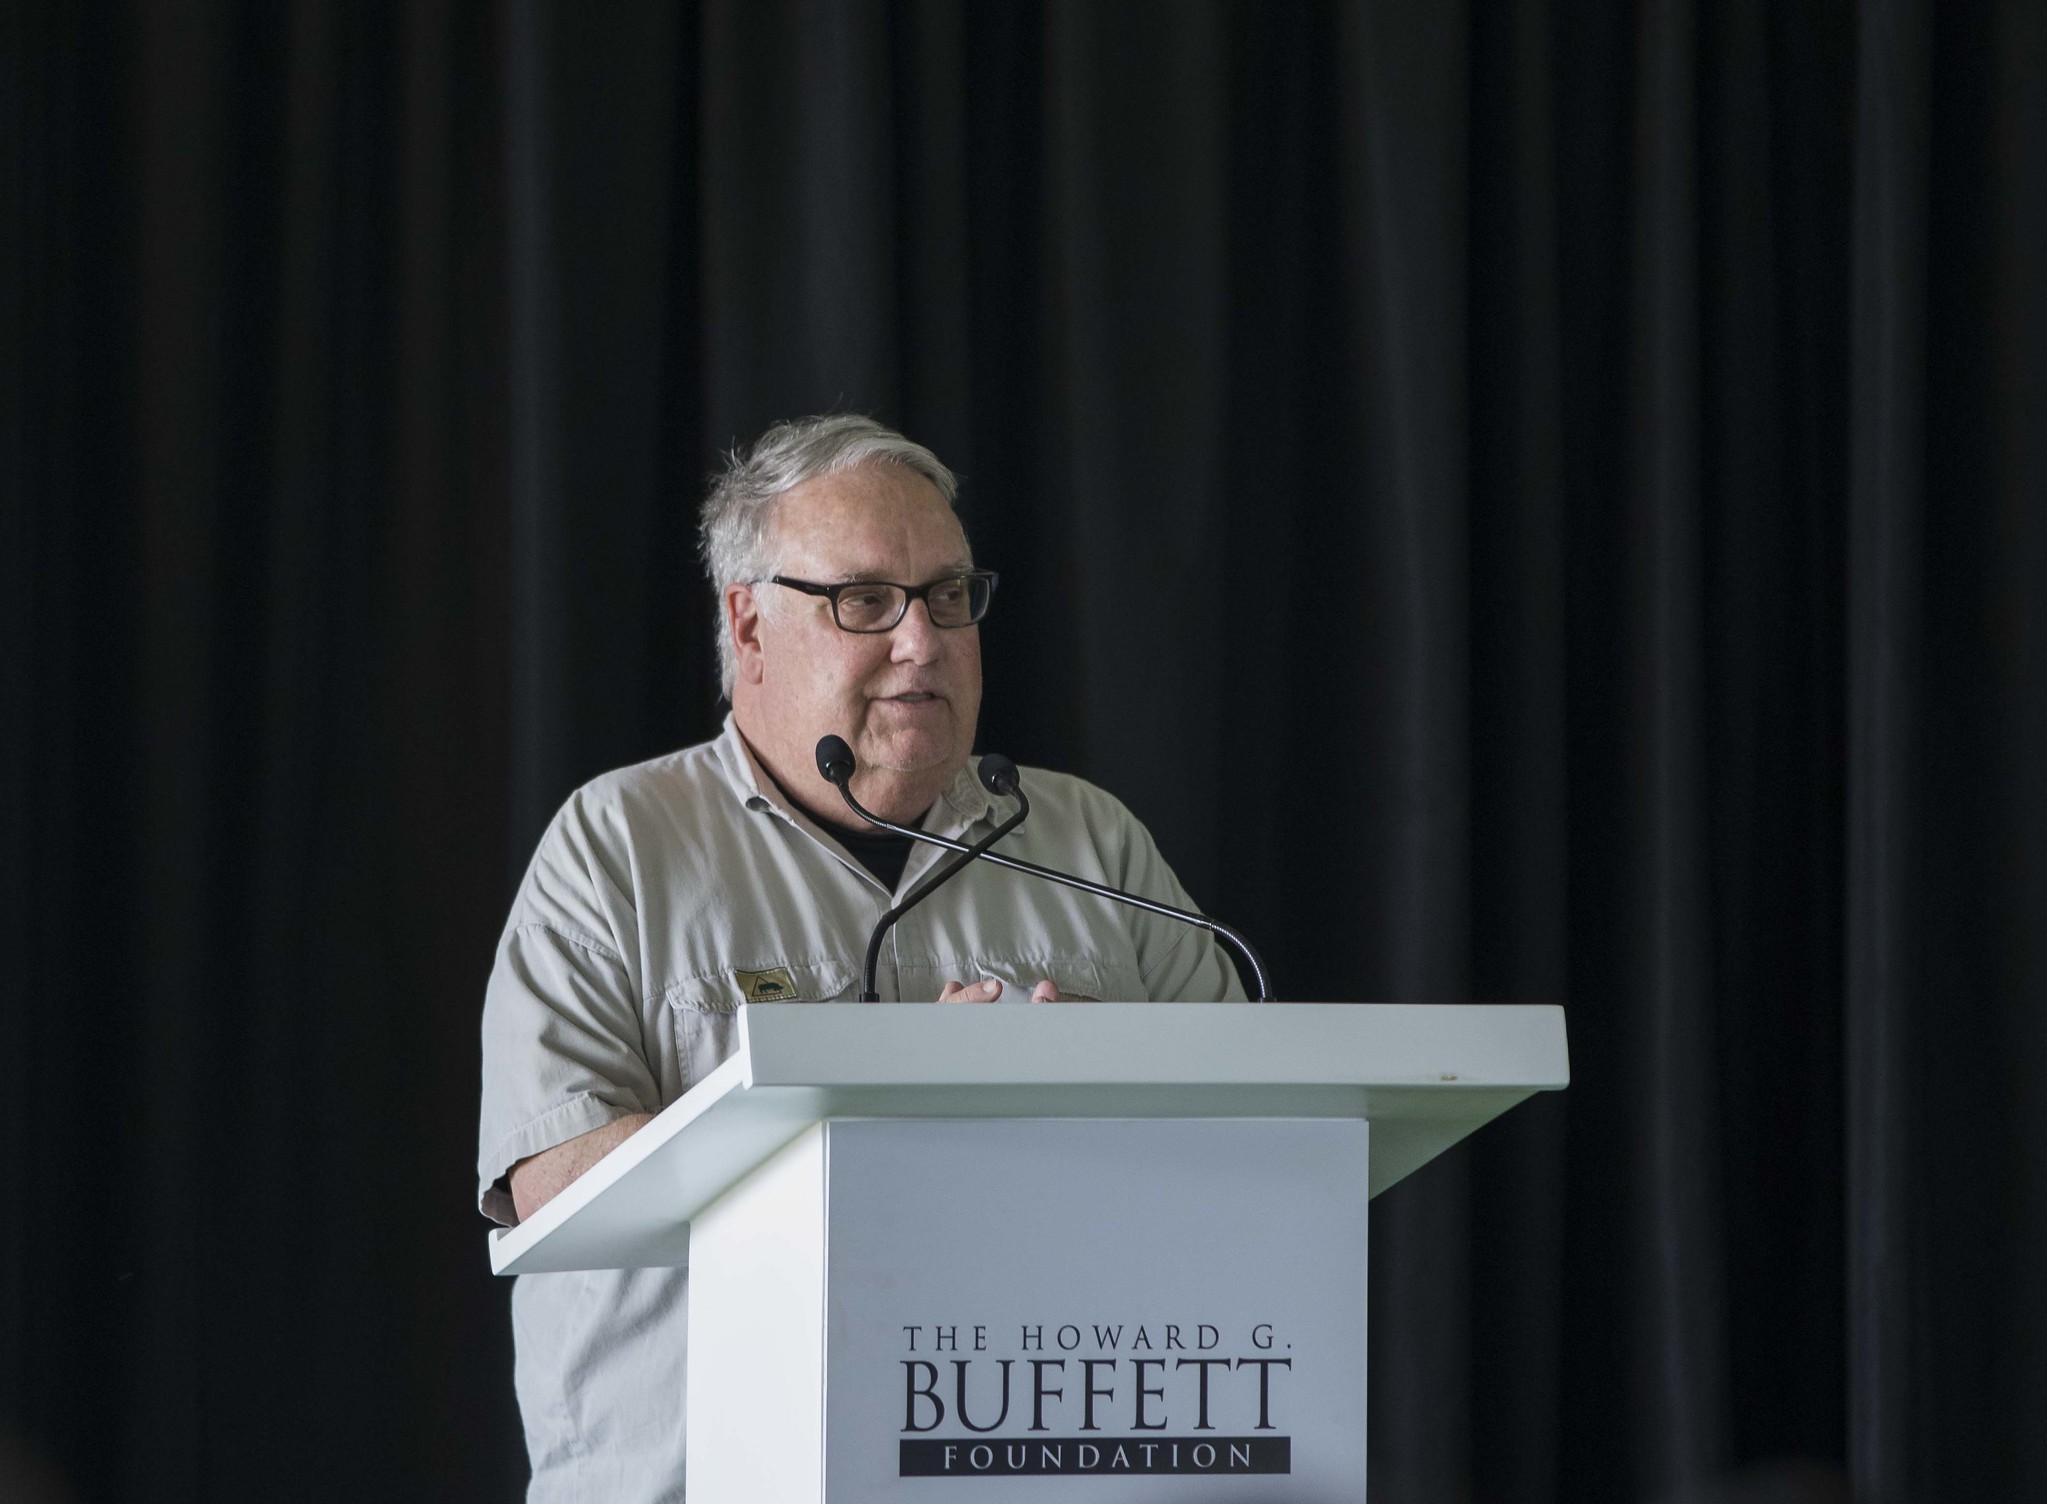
[1096, 981]
[1115, 982]
[706, 1008]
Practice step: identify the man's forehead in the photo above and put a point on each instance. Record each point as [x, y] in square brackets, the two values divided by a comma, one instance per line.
[871, 522]
[893, 573]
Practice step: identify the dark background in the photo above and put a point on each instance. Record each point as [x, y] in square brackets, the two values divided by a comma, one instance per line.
[1530, 501]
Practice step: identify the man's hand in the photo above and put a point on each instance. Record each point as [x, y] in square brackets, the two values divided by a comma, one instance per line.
[989, 990]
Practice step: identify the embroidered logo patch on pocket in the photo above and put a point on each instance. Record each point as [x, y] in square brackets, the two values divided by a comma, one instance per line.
[766, 986]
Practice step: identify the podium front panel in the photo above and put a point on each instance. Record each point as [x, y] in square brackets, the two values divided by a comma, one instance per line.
[1173, 1310]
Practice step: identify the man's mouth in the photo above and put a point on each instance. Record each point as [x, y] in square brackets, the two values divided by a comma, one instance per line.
[914, 697]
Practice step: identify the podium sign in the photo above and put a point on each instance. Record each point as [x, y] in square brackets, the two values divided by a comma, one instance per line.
[1044, 1301]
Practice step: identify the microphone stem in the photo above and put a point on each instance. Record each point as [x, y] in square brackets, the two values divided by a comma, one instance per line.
[1216, 927]
[923, 890]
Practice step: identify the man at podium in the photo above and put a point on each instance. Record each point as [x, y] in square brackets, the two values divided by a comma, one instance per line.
[664, 895]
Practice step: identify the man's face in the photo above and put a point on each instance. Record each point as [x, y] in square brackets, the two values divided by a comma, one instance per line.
[907, 699]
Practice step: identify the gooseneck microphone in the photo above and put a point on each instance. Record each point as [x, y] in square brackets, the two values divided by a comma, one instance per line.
[835, 764]
[998, 776]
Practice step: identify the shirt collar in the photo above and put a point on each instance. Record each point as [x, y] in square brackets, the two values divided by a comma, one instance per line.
[962, 803]
[743, 776]
[965, 794]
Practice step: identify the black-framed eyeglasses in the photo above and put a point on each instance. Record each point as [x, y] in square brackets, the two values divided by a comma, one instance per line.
[957, 600]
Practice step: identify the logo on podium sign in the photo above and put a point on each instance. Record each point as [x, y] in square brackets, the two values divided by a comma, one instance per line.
[1108, 1398]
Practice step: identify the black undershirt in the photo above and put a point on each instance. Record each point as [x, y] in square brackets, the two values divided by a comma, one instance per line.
[882, 852]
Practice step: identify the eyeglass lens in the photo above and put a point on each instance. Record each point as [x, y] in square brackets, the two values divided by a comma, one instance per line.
[878, 607]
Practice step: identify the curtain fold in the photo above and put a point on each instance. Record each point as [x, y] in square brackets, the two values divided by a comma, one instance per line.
[1886, 586]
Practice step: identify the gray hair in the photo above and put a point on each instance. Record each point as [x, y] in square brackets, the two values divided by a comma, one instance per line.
[739, 511]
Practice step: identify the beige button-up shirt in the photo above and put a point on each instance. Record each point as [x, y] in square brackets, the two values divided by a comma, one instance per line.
[663, 896]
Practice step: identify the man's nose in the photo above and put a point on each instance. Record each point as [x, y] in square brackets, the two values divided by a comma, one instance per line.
[915, 638]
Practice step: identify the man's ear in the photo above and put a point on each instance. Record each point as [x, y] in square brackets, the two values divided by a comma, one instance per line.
[743, 625]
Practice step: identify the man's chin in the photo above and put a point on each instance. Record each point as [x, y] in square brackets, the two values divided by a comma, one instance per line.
[905, 749]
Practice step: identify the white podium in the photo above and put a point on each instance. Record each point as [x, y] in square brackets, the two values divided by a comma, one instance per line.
[1112, 1251]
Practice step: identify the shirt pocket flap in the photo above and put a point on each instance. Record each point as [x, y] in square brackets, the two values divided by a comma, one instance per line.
[724, 991]
[1095, 981]
[1123, 984]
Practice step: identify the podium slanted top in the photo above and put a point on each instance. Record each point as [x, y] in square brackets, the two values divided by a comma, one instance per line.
[1424, 1076]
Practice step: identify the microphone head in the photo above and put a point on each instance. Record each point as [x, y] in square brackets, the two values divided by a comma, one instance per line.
[834, 760]
[998, 774]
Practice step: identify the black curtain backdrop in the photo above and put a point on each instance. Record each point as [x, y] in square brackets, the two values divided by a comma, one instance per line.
[1530, 501]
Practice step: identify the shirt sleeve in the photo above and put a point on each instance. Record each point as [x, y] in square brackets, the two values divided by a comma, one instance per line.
[564, 1050]
[1179, 962]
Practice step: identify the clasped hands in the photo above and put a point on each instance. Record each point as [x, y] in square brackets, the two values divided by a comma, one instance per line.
[988, 990]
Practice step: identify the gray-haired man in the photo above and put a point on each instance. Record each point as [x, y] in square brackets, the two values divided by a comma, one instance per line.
[664, 895]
